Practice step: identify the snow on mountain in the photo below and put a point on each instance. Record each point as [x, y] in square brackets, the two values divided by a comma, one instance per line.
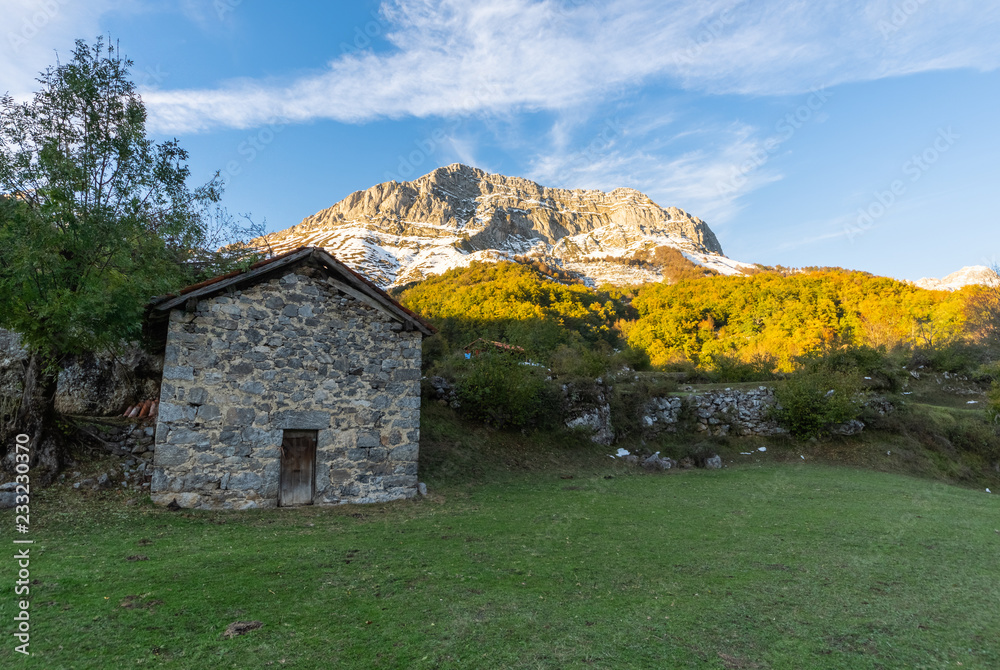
[971, 274]
[397, 233]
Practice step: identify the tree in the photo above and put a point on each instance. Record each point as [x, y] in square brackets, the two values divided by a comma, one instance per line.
[95, 218]
[983, 311]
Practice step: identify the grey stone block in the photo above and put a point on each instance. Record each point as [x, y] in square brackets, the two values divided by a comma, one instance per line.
[180, 372]
[254, 388]
[243, 481]
[407, 452]
[168, 455]
[242, 369]
[201, 481]
[377, 455]
[202, 358]
[197, 396]
[208, 413]
[173, 412]
[301, 419]
[240, 416]
[159, 480]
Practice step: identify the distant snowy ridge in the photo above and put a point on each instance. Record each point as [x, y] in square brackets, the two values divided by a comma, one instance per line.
[396, 233]
[971, 274]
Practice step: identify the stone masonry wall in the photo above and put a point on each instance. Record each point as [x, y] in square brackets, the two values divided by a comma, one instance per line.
[736, 412]
[289, 353]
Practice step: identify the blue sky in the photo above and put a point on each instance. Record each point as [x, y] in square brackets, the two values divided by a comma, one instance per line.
[858, 134]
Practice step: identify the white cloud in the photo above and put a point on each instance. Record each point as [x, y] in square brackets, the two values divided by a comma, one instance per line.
[34, 32]
[703, 181]
[453, 57]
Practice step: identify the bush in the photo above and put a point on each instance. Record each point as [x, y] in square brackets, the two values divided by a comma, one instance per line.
[993, 406]
[581, 360]
[629, 398]
[957, 357]
[505, 393]
[809, 402]
[759, 368]
[883, 371]
[975, 436]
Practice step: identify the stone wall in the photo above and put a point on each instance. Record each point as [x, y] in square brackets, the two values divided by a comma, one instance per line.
[736, 412]
[288, 353]
[725, 412]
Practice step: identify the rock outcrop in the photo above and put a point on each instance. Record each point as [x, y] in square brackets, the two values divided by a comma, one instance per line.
[972, 274]
[90, 384]
[396, 233]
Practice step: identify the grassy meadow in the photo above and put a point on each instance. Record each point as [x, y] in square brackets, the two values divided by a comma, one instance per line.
[530, 553]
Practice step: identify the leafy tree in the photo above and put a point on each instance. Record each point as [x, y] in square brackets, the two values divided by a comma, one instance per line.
[983, 311]
[95, 218]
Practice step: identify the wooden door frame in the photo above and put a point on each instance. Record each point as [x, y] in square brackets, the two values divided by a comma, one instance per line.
[314, 434]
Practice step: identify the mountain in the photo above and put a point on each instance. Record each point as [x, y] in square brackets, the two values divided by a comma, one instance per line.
[397, 233]
[971, 274]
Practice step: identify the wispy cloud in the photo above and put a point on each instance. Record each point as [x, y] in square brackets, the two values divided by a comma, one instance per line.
[622, 152]
[35, 31]
[451, 57]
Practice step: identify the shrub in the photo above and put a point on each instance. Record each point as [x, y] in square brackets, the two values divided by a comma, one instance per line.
[957, 357]
[759, 368]
[629, 398]
[809, 402]
[975, 436]
[883, 371]
[581, 360]
[993, 403]
[505, 393]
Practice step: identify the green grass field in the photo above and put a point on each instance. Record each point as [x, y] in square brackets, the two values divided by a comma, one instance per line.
[755, 566]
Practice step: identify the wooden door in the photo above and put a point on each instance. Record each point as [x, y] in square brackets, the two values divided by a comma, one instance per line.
[298, 468]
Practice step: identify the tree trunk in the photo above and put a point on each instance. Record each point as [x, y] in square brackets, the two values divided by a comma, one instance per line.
[36, 417]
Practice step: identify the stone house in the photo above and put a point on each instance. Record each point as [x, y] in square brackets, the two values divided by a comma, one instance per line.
[294, 382]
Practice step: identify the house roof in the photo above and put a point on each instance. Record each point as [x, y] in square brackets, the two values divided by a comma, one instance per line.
[498, 345]
[345, 279]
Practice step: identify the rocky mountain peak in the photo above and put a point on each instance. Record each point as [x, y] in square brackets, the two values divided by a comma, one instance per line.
[397, 232]
[970, 274]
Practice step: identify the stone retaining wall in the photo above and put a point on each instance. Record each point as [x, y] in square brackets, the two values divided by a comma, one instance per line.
[725, 412]
[736, 412]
